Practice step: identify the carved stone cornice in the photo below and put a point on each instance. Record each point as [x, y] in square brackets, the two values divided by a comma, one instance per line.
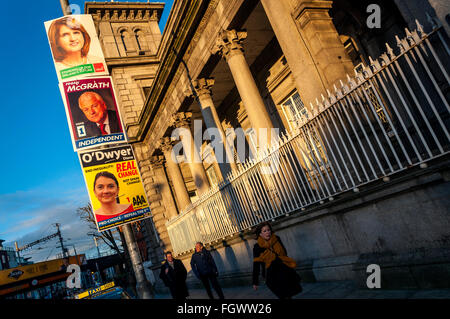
[229, 43]
[125, 12]
[181, 119]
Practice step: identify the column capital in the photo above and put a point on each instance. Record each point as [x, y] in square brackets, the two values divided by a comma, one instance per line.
[203, 86]
[165, 144]
[157, 161]
[181, 119]
[229, 43]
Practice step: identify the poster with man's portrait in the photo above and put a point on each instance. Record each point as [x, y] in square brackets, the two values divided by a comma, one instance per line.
[115, 187]
[75, 47]
[92, 113]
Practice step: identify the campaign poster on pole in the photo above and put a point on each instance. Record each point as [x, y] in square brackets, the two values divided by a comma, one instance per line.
[75, 47]
[115, 186]
[92, 112]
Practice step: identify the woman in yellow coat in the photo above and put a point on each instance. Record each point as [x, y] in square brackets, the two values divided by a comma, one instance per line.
[270, 254]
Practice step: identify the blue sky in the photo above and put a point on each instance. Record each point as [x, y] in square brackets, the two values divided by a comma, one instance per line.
[42, 182]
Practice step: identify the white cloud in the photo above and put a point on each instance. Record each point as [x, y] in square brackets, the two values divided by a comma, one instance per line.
[29, 215]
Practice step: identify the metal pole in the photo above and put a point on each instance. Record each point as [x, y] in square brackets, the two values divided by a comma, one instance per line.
[96, 245]
[142, 285]
[18, 253]
[65, 7]
[64, 251]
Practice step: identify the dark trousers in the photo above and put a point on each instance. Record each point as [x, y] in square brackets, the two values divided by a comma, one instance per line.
[205, 280]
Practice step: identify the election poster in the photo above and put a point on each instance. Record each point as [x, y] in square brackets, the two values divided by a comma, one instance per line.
[92, 113]
[75, 47]
[114, 185]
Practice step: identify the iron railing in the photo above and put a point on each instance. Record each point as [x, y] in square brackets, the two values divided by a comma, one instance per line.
[390, 117]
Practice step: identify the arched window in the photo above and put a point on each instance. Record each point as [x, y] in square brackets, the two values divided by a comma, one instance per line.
[126, 40]
[140, 40]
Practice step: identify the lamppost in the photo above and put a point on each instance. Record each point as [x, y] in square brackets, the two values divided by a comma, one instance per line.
[96, 245]
[142, 286]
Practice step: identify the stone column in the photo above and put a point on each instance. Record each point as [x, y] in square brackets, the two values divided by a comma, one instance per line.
[155, 201]
[311, 45]
[229, 45]
[181, 120]
[174, 172]
[203, 92]
[157, 164]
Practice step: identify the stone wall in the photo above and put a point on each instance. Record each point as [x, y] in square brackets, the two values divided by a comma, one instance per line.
[402, 225]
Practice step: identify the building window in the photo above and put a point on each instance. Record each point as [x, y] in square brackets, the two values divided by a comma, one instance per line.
[375, 97]
[294, 109]
[314, 148]
[126, 40]
[146, 90]
[212, 176]
[141, 41]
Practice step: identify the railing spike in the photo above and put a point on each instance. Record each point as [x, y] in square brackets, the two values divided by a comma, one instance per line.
[410, 37]
[338, 95]
[367, 71]
[351, 81]
[390, 51]
[415, 36]
[289, 135]
[376, 65]
[344, 88]
[420, 29]
[332, 97]
[384, 59]
[325, 103]
[321, 108]
[359, 77]
[401, 44]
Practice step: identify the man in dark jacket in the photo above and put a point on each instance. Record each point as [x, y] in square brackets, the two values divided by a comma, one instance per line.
[205, 269]
[173, 274]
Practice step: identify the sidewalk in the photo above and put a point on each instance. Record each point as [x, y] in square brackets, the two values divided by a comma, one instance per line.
[322, 290]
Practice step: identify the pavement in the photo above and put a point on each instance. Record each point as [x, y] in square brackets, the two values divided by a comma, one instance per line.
[322, 290]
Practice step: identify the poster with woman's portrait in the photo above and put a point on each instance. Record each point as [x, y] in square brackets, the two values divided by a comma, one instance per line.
[75, 47]
[115, 187]
[92, 112]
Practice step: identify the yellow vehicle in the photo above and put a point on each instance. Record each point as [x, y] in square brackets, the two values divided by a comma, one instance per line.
[106, 291]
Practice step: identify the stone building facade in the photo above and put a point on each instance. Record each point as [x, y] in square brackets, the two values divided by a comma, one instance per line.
[259, 64]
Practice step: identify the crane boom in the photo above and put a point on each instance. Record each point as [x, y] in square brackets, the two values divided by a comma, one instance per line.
[36, 242]
[57, 234]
